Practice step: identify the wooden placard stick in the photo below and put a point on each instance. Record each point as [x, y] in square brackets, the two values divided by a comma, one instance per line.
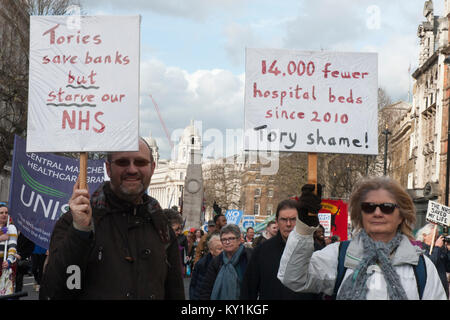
[83, 170]
[434, 236]
[312, 172]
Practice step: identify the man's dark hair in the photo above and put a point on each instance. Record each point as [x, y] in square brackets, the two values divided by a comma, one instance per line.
[173, 216]
[216, 208]
[110, 154]
[286, 204]
[250, 228]
[271, 223]
[216, 217]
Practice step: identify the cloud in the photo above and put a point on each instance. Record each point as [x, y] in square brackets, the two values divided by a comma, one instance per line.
[192, 9]
[395, 57]
[215, 97]
[322, 24]
[238, 37]
[386, 27]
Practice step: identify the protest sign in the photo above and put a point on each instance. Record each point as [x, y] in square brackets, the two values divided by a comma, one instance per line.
[248, 221]
[312, 102]
[338, 211]
[325, 221]
[41, 186]
[83, 84]
[233, 216]
[438, 213]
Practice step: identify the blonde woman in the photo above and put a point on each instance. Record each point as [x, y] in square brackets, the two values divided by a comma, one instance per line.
[380, 259]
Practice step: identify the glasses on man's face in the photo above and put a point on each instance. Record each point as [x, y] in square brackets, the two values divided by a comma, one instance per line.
[386, 208]
[286, 220]
[123, 162]
[226, 240]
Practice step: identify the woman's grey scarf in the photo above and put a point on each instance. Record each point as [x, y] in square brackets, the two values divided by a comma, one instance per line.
[227, 285]
[355, 288]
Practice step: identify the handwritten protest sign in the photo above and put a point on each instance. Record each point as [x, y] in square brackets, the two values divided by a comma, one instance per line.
[438, 213]
[309, 101]
[338, 211]
[83, 84]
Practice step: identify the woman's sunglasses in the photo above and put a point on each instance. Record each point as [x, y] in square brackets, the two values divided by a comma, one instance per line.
[387, 208]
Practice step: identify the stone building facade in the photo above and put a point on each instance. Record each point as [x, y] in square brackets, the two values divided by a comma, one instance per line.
[258, 193]
[401, 156]
[168, 181]
[428, 139]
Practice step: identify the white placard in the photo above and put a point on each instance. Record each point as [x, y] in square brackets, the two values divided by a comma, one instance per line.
[83, 84]
[311, 101]
[325, 221]
[438, 213]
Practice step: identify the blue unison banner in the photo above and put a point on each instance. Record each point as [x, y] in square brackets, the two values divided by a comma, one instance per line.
[41, 186]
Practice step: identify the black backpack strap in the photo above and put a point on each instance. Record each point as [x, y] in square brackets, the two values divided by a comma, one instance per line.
[420, 271]
[340, 268]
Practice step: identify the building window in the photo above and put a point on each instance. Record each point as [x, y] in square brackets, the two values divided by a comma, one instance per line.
[256, 209]
[270, 193]
[269, 209]
[257, 192]
[410, 180]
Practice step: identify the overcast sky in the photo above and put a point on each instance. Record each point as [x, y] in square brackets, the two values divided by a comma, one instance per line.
[193, 51]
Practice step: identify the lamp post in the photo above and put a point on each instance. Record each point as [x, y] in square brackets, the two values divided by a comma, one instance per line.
[385, 132]
[447, 62]
[367, 166]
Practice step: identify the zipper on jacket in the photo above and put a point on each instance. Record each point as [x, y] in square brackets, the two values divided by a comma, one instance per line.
[100, 253]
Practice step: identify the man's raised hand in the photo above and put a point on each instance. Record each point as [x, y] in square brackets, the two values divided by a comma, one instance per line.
[80, 207]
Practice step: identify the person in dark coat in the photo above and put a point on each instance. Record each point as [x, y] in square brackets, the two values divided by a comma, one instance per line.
[176, 223]
[25, 248]
[439, 255]
[201, 267]
[115, 244]
[226, 271]
[260, 279]
[319, 238]
[271, 231]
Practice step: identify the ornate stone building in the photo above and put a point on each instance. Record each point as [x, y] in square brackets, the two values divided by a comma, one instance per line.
[401, 156]
[418, 141]
[428, 140]
[167, 185]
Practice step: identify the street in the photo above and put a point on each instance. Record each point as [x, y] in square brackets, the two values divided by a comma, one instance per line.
[28, 287]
